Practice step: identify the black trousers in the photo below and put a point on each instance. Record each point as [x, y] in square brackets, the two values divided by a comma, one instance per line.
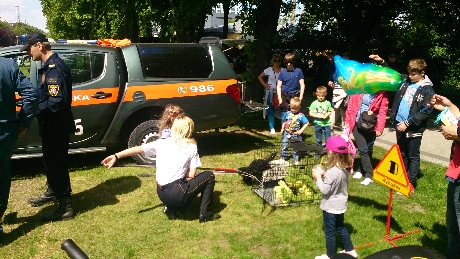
[55, 147]
[8, 135]
[178, 194]
[365, 146]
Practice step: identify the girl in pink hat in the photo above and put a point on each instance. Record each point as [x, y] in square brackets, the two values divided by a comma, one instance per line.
[333, 184]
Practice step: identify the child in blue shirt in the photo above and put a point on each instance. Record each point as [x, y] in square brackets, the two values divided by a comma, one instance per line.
[293, 124]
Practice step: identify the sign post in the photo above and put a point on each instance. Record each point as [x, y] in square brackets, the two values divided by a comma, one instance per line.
[391, 172]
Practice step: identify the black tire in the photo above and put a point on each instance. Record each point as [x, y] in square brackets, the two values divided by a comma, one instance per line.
[144, 133]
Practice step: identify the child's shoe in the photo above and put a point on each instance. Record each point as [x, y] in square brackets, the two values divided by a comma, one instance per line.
[367, 181]
[323, 256]
[272, 131]
[358, 175]
[352, 253]
[296, 163]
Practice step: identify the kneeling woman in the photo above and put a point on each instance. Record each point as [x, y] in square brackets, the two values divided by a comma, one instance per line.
[176, 160]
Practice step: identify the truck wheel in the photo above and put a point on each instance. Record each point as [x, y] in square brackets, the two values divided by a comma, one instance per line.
[144, 133]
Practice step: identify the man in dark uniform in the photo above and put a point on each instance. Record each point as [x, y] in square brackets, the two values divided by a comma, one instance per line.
[56, 123]
[12, 81]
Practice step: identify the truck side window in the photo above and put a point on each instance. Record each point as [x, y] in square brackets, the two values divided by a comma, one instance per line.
[175, 62]
[84, 67]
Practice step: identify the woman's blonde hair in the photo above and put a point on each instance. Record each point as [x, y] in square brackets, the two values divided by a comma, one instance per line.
[169, 114]
[342, 160]
[182, 129]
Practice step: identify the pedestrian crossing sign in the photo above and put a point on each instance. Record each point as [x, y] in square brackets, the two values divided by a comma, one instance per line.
[391, 172]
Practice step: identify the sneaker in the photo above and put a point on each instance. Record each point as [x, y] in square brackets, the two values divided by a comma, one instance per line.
[367, 181]
[323, 256]
[296, 163]
[358, 175]
[352, 253]
[272, 131]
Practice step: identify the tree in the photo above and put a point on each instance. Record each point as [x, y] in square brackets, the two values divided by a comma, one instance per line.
[6, 34]
[260, 19]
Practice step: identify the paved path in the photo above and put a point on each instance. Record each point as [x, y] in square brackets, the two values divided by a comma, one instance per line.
[434, 147]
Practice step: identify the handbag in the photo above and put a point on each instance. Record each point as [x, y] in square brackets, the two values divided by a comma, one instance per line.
[367, 121]
[275, 101]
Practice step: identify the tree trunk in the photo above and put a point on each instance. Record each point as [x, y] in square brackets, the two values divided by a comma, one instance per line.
[226, 6]
[265, 29]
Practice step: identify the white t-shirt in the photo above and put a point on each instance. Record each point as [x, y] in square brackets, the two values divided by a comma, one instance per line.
[272, 77]
[173, 161]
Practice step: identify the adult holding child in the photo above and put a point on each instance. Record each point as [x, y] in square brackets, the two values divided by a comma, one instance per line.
[290, 83]
[177, 159]
[452, 175]
[272, 75]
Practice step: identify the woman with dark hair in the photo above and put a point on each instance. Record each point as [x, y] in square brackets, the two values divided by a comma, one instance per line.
[272, 73]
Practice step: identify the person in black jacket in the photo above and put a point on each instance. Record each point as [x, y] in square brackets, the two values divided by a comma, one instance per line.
[410, 113]
[56, 123]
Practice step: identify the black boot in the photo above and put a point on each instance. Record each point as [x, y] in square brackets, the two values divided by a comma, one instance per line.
[208, 216]
[64, 210]
[46, 197]
[170, 212]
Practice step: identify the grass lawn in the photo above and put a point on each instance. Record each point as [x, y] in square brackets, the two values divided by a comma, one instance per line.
[119, 214]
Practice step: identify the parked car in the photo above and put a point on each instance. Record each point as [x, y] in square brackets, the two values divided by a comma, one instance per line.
[119, 93]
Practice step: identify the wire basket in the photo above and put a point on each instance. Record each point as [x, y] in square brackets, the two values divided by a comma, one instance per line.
[274, 167]
[296, 188]
[281, 182]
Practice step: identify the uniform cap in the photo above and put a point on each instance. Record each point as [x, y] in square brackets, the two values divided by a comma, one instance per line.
[33, 38]
[337, 144]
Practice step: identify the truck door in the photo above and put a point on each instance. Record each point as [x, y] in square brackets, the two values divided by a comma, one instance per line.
[96, 83]
[95, 88]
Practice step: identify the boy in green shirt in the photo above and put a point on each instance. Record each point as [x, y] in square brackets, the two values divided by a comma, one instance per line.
[320, 110]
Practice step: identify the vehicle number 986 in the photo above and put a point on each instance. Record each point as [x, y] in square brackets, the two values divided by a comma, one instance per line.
[201, 88]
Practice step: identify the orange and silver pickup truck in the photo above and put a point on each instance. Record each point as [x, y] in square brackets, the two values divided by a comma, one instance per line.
[119, 93]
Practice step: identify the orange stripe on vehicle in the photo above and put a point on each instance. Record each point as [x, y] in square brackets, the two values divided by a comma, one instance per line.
[84, 97]
[159, 91]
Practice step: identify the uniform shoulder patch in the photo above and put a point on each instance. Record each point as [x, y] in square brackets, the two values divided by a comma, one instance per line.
[53, 90]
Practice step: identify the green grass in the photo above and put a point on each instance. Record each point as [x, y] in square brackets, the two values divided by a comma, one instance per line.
[119, 214]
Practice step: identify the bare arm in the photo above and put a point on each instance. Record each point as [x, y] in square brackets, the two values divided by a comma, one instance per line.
[440, 102]
[302, 88]
[110, 160]
[278, 89]
[302, 129]
[262, 80]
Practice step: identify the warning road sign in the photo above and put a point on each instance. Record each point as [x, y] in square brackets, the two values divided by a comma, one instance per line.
[391, 172]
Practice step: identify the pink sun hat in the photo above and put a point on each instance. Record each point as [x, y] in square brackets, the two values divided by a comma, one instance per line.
[337, 144]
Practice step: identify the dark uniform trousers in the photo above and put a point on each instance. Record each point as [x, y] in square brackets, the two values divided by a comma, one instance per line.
[8, 135]
[178, 194]
[55, 146]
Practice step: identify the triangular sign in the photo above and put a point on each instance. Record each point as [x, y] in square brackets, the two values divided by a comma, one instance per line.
[391, 172]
